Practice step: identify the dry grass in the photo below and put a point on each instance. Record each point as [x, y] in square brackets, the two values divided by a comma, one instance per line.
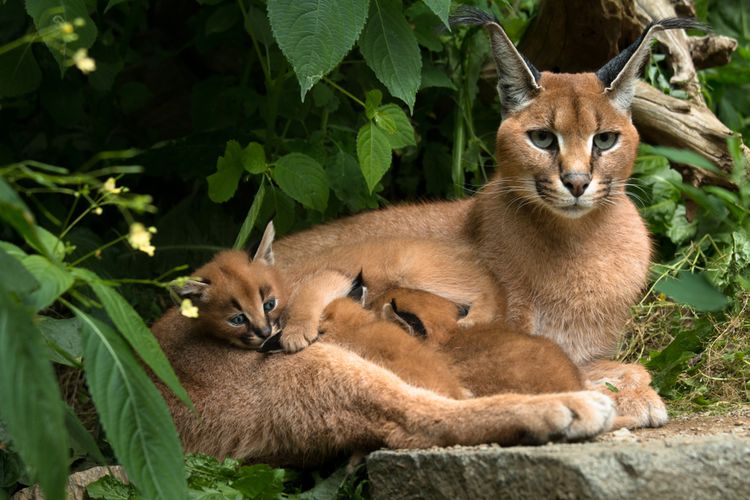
[717, 377]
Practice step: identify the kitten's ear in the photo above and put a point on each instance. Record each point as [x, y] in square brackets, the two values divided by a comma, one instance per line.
[390, 313]
[265, 251]
[517, 78]
[620, 74]
[192, 289]
[358, 291]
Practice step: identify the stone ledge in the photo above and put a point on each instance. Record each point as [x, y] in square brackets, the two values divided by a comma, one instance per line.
[673, 468]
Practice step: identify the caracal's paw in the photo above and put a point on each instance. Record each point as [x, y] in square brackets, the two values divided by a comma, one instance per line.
[637, 407]
[297, 335]
[479, 314]
[572, 416]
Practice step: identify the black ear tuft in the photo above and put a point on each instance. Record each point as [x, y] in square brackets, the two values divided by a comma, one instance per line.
[393, 306]
[358, 288]
[414, 322]
[466, 15]
[272, 344]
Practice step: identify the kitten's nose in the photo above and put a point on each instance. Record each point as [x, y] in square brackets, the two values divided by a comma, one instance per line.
[576, 182]
[265, 331]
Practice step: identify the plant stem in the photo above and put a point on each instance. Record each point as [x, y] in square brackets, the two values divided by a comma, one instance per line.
[103, 247]
[343, 91]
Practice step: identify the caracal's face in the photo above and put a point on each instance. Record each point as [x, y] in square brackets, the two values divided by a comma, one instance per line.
[569, 150]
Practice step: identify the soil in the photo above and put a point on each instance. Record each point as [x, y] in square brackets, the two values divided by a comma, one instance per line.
[736, 423]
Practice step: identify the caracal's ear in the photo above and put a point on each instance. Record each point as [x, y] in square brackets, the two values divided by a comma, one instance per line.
[192, 289]
[620, 74]
[390, 313]
[517, 78]
[265, 251]
[358, 291]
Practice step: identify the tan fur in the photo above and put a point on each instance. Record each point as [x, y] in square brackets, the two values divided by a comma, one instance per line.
[325, 402]
[231, 284]
[447, 269]
[347, 324]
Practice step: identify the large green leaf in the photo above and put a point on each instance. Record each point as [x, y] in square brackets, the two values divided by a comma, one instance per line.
[16, 213]
[315, 35]
[374, 153]
[391, 50]
[16, 279]
[140, 338]
[252, 216]
[396, 125]
[19, 72]
[54, 280]
[682, 156]
[63, 338]
[223, 183]
[694, 290]
[31, 406]
[49, 13]
[133, 413]
[303, 179]
[441, 8]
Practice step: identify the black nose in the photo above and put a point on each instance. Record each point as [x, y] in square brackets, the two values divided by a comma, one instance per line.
[576, 183]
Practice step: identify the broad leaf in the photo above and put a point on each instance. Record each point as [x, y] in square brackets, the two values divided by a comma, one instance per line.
[19, 72]
[254, 158]
[694, 290]
[140, 338]
[303, 179]
[348, 183]
[374, 154]
[372, 101]
[396, 125]
[223, 183]
[390, 48]
[31, 405]
[53, 279]
[16, 213]
[133, 413]
[315, 35]
[63, 337]
[682, 156]
[50, 13]
[16, 279]
[252, 216]
[441, 8]
[80, 439]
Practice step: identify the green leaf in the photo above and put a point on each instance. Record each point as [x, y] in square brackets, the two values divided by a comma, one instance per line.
[441, 8]
[303, 179]
[222, 19]
[223, 184]
[254, 158]
[16, 213]
[16, 278]
[348, 183]
[374, 154]
[682, 156]
[396, 125]
[111, 488]
[390, 48]
[31, 405]
[694, 290]
[251, 217]
[432, 76]
[50, 13]
[372, 100]
[315, 35]
[19, 72]
[260, 481]
[63, 338]
[81, 440]
[135, 331]
[133, 413]
[53, 279]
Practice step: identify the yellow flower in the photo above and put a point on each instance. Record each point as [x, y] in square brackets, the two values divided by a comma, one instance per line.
[83, 62]
[79, 21]
[109, 186]
[661, 297]
[66, 28]
[188, 310]
[140, 238]
[98, 210]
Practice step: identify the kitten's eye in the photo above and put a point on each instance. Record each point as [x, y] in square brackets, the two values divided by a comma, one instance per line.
[269, 305]
[543, 139]
[238, 320]
[605, 140]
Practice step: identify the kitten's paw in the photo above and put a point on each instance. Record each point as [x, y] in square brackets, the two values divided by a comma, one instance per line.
[572, 416]
[638, 406]
[478, 315]
[296, 336]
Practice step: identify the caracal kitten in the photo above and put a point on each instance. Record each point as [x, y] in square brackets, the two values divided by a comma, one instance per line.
[554, 226]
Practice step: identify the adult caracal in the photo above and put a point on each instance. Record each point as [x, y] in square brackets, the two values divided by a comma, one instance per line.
[554, 225]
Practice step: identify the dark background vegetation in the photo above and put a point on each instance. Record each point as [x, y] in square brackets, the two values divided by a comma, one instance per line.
[194, 107]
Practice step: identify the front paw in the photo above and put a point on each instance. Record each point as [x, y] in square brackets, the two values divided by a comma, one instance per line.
[297, 335]
[478, 315]
[636, 406]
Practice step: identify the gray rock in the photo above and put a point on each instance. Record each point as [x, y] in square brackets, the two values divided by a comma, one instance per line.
[77, 483]
[675, 468]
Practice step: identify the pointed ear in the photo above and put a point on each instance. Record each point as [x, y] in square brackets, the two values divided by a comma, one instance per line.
[265, 251]
[391, 314]
[518, 79]
[620, 74]
[358, 291]
[192, 289]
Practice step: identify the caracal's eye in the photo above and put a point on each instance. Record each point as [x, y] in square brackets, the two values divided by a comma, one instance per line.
[269, 305]
[605, 140]
[238, 320]
[543, 139]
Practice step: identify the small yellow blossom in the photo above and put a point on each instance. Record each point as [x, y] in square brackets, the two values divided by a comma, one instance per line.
[140, 238]
[661, 297]
[109, 186]
[98, 254]
[98, 210]
[188, 310]
[66, 28]
[83, 62]
[79, 22]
